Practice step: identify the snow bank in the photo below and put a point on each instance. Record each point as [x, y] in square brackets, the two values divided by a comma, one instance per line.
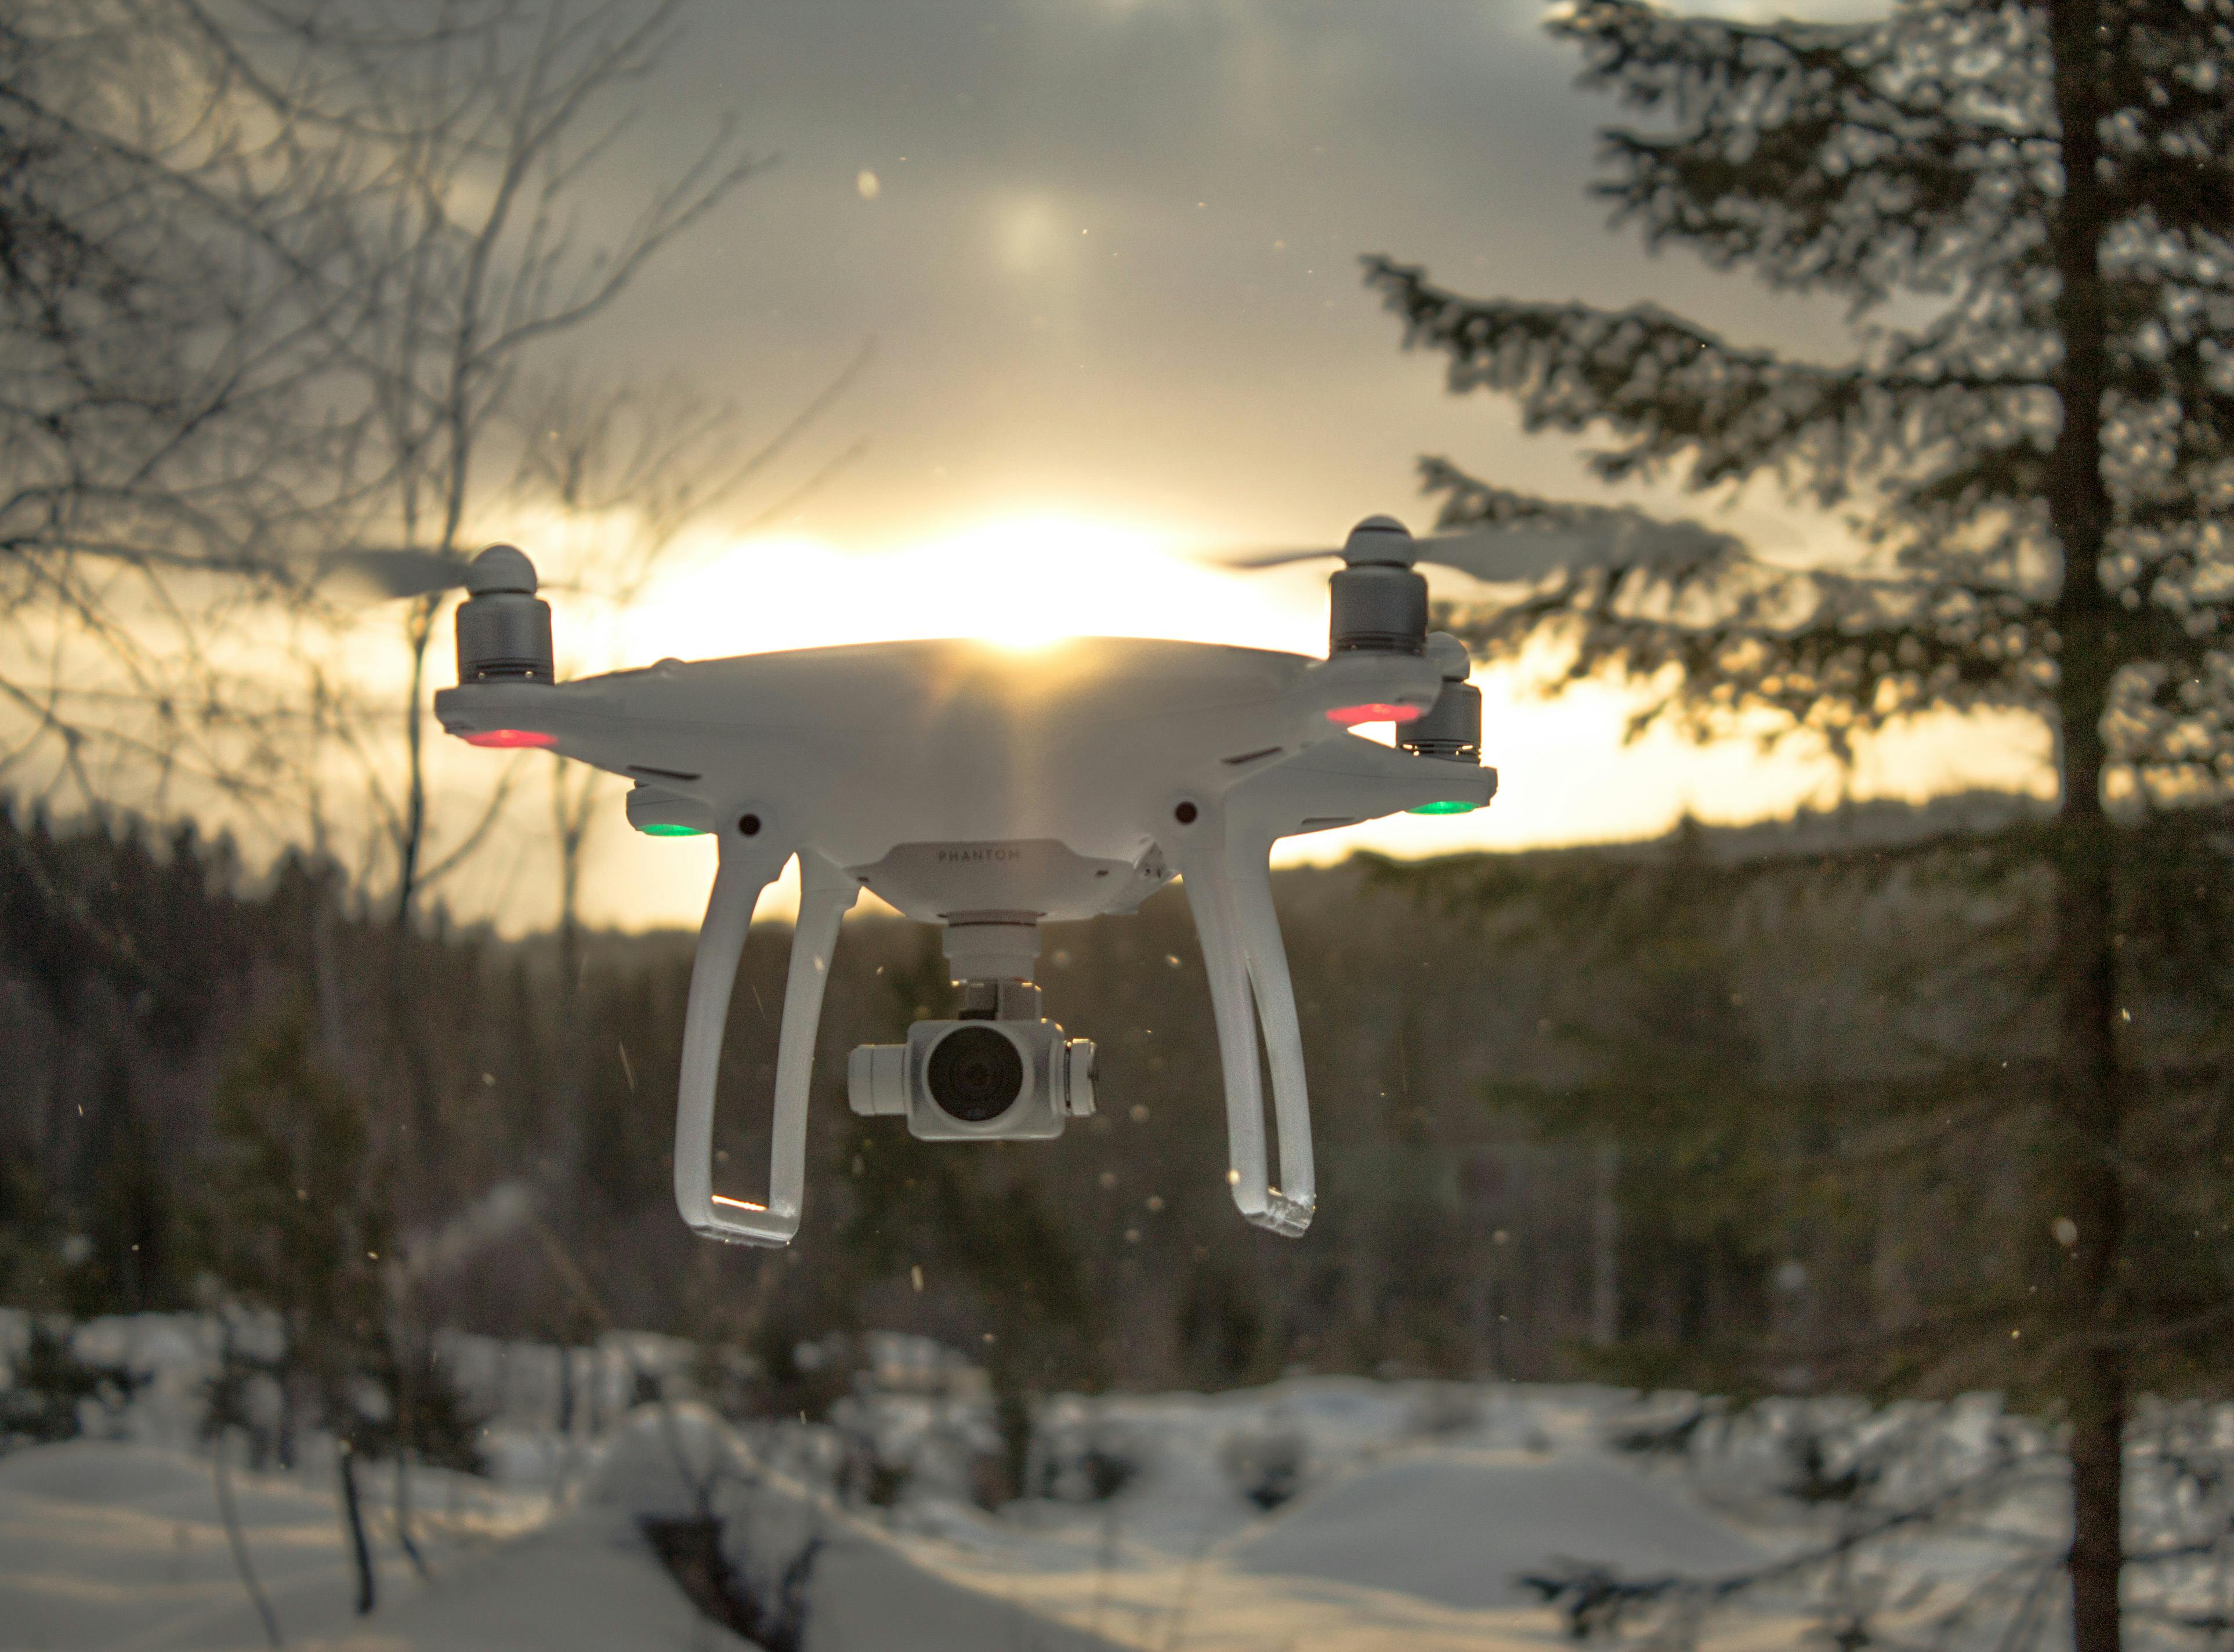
[1461, 1528]
[866, 1591]
[106, 1543]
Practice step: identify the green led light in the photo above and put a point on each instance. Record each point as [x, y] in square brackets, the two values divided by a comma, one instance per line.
[1449, 805]
[667, 829]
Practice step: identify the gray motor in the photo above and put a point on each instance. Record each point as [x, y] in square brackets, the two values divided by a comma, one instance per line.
[504, 628]
[1379, 603]
[1452, 727]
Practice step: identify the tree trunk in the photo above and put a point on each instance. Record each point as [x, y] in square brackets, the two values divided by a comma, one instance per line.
[1605, 1248]
[405, 1353]
[2082, 1160]
[404, 1033]
[404, 1539]
[411, 839]
[353, 1518]
[570, 818]
[325, 968]
[288, 1400]
[238, 1542]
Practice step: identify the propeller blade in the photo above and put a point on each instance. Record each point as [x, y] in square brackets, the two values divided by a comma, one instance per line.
[1252, 560]
[1506, 556]
[384, 574]
[1521, 554]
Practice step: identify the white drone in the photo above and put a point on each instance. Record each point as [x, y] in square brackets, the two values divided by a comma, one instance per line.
[991, 793]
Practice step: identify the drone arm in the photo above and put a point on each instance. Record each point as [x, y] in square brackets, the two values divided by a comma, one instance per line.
[825, 894]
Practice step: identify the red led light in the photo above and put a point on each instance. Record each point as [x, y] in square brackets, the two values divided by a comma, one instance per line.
[510, 737]
[1373, 711]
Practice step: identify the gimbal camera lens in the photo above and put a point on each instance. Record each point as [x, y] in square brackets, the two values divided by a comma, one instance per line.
[975, 1075]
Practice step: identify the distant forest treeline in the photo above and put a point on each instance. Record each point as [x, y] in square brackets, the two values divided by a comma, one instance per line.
[1744, 1109]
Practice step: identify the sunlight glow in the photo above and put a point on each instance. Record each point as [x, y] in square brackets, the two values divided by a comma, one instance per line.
[1025, 581]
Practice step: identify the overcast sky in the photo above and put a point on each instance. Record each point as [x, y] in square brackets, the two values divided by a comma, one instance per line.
[1111, 256]
[1108, 252]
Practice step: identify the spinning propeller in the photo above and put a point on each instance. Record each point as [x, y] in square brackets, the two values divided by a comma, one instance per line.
[391, 573]
[1519, 552]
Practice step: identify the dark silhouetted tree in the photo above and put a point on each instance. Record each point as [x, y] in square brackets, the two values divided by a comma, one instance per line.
[2043, 462]
[296, 1225]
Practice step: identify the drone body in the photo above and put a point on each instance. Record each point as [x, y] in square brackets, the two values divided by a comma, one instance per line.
[989, 790]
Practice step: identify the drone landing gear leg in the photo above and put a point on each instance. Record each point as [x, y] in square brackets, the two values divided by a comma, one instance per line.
[825, 894]
[1249, 863]
[1228, 888]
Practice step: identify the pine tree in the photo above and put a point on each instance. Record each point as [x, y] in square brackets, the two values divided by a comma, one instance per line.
[126, 1208]
[1669, 1069]
[2044, 465]
[294, 1223]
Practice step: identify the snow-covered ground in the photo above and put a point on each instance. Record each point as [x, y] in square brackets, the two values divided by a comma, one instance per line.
[1417, 1511]
[1398, 1537]
[117, 1543]
[114, 1544]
